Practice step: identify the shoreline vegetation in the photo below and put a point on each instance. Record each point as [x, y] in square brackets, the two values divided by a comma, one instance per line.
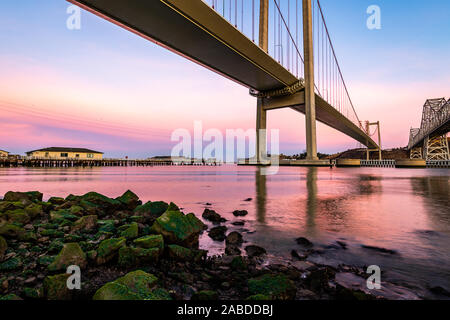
[128, 250]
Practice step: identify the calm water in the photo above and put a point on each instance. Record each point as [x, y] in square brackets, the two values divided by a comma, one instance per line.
[404, 210]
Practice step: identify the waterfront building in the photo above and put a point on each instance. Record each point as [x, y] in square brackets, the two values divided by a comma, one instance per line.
[65, 153]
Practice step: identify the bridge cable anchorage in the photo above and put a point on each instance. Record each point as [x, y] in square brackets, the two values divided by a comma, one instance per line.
[296, 87]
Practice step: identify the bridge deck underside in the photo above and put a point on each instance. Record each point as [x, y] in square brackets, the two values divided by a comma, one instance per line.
[441, 130]
[194, 30]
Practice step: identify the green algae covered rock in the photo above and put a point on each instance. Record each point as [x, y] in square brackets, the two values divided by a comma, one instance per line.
[11, 264]
[12, 231]
[19, 196]
[86, 223]
[238, 263]
[131, 257]
[96, 202]
[61, 215]
[151, 241]
[130, 200]
[71, 254]
[52, 233]
[56, 200]
[33, 293]
[55, 287]
[3, 246]
[34, 210]
[17, 216]
[109, 248]
[137, 285]
[10, 297]
[205, 295]
[278, 287]
[179, 253]
[178, 228]
[151, 210]
[107, 226]
[129, 231]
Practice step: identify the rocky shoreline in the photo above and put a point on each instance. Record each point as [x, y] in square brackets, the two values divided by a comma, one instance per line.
[128, 250]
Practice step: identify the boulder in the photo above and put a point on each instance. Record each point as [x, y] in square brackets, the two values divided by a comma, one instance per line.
[34, 210]
[178, 228]
[304, 242]
[240, 213]
[184, 254]
[86, 223]
[205, 295]
[132, 257]
[234, 238]
[129, 231]
[130, 200]
[20, 196]
[151, 210]
[137, 285]
[55, 287]
[3, 247]
[11, 231]
[107, 226]
[277, 287]
[108, 249]
[254, 251]
[212, 216]
[218, 233]
[71, 254]
[151, 241]
[56, 201]
[16, 216]
[11, 264]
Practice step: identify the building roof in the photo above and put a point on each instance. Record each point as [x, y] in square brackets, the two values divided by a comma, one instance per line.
[63, 149]
[4, 151]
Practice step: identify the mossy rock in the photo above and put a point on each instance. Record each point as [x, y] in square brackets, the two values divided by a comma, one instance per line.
[73, 238]
[62, 214]
[131, 257]
[151, 210]
[17, 216]
[71, 254]
[76, 210]
[107, 226]
[109, 248]
[45, 260]
[129, 231]
[12, 231]
[278, 287]
[159, 294]
[151, 241]
[130, 200]
[11, 264]
[52, 233]
[55, 246]
[137, 285]
[33, 293]
[259, 297]
[180, 253]
[55, 287]
[56, 200]
[19, 196]
[178, 228]
[96, 202]
[86, 223]
[3, 246]
[10, 297]
[238, 263]
[9, 205]
[205, 295]
[34, 210]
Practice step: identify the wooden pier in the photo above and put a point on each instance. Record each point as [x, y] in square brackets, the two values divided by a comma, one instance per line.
[68, 163]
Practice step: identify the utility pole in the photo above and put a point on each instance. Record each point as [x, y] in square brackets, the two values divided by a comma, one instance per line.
[261, 114]
[310, 102]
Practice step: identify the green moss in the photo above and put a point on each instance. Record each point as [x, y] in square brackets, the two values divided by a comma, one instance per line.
[107, 226]
[179, 253]
[278, 287]
[178, 228]
[10, 296]
[238, 263]
[34, 210]
[3, 246]
[62, 214]
[76, 210]
[71, 254]
[129, 231]
[131, 257]
[152, 241]
[55, 287]
[33, 293]
[115, 291]
[45, 260]
[109, 248]
[52, 233]
[55, 246]
[129, 199]
[18, 215]
[11, 264]
[151, 209]
[56, 200]
[205, 295]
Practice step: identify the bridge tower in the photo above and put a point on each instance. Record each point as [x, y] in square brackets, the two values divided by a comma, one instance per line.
[436, 148]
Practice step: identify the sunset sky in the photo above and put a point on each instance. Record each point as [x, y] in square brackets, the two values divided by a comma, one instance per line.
[107, 89]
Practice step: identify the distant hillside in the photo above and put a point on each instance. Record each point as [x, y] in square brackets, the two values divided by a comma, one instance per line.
[396, 154]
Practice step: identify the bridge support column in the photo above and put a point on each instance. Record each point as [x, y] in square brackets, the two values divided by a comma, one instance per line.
[436, 148]
[264, 25]
[310, 102]
[261, 132]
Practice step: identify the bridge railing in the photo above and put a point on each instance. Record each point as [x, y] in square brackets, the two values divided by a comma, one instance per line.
[430, 123]
[286, 44]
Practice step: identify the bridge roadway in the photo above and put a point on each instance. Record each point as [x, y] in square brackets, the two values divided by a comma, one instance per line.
[195, 31]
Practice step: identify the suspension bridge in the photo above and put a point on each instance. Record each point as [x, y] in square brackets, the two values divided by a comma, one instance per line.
[281, 50]
[429, 142]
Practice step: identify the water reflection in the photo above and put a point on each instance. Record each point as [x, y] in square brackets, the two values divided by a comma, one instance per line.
[261, 194]
[311, 200]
